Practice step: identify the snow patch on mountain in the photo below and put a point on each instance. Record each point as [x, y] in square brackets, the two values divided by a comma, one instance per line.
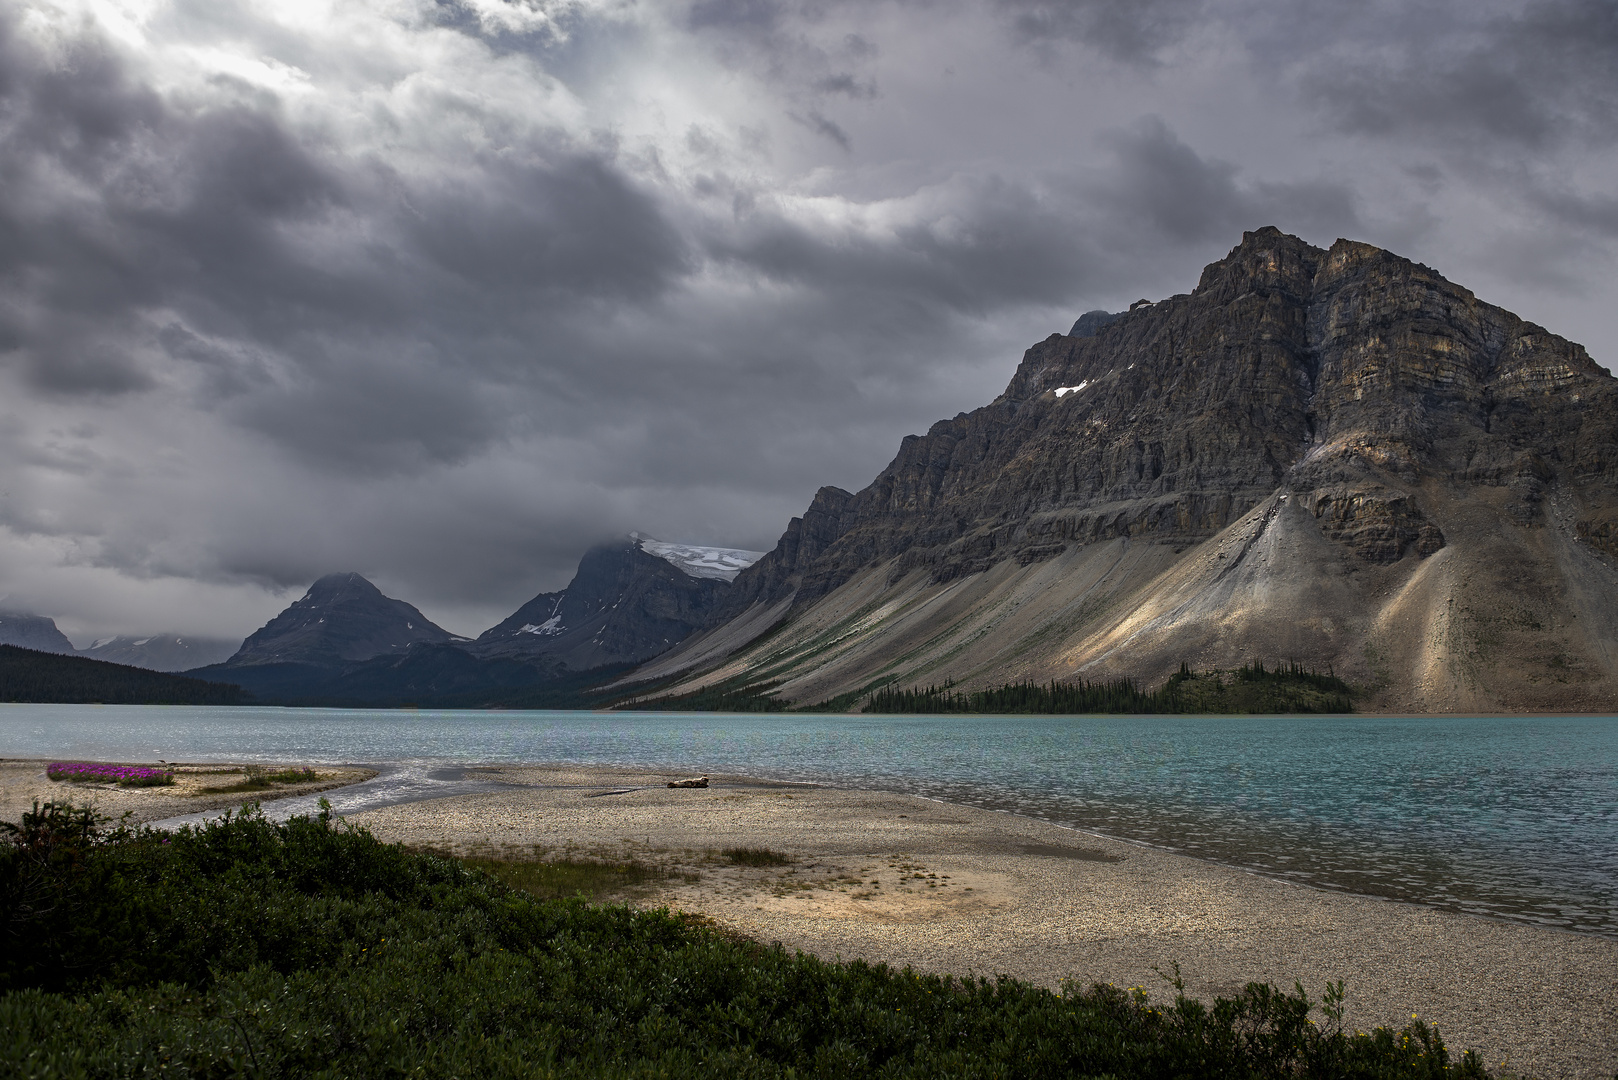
[552, 625]
[701, 562]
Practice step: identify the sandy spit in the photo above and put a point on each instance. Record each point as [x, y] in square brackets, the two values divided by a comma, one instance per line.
[23, 782]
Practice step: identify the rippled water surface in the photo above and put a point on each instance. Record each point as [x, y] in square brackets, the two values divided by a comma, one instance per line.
[1512, 817]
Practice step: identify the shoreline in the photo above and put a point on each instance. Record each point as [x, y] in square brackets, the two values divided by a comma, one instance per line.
[349, 775]
[952, 888]
[1001, 893]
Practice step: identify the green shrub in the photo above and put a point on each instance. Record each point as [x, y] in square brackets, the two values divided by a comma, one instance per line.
[249, 948]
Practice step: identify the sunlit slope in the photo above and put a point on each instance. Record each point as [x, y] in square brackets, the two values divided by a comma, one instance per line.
[1518, 619]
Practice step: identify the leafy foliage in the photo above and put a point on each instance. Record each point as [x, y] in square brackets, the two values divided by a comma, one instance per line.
[1249, 689]
[249, 948]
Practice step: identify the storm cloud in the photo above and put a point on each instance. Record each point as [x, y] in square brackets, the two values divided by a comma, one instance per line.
[443, 292]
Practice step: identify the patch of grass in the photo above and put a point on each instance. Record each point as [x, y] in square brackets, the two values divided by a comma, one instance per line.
[240, 787]
[256, 779]
[560, 879]
[291, 776]
[755, 856]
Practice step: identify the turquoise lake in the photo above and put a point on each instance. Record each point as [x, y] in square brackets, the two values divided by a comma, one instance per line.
[1515, 818]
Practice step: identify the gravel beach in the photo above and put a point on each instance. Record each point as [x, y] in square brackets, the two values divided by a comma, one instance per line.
[945, 888]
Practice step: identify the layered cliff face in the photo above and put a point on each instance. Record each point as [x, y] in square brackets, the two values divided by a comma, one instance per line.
[1332, 456]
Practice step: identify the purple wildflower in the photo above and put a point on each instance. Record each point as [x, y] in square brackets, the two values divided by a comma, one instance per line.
[123, 775]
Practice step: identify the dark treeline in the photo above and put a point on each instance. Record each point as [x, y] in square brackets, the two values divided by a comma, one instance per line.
[29, 675]
[1253, 688]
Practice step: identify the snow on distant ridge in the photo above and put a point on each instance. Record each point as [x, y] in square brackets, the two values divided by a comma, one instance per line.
[702, 562]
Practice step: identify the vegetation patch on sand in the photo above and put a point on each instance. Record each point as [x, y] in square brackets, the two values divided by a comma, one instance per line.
[1286, 688]
[755, 856]
[92, 772]
[252, 948]
[256, 778]
[562, 878]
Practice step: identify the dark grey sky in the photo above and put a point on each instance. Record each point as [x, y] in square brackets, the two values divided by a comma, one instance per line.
[443, 292]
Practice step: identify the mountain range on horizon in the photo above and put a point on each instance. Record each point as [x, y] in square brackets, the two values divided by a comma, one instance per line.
[155, 652]
[344, 641]
[1332, 457]
[630, 600]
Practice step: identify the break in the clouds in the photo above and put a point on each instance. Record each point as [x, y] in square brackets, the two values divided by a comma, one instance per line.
[443, 292]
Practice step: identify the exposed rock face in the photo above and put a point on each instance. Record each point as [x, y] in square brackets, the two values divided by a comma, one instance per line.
[32, 632]
[162, 652]
[624, 605]
[1090, 323]
[343, 618]
[1348, 392]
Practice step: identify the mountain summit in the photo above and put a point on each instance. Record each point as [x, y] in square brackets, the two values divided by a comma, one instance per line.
[341, 619]
[630, 600]
[1331, 456]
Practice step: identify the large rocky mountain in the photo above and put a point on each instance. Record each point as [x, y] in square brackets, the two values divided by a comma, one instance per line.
[630, 600]
[32, 632]
[162, 652]
[1330, 456]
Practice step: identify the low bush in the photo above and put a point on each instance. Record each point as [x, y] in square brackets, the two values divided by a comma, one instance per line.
[309, 949]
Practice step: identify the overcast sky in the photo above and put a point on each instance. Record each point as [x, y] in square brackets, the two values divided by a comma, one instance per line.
[443, 292]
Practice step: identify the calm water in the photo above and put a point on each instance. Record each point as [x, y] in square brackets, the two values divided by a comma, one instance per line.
[1511, 817]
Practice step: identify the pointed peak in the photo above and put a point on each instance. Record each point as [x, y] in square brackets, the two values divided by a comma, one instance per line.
[349, 581]
[1266, 260]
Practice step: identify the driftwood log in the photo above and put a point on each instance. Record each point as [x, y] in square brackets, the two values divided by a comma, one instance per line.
[695, 781]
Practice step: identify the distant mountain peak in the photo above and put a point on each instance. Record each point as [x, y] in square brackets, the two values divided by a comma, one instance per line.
[161, 652]
[332, 584]
[630, 599]
[30, 631]
[342, 618]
